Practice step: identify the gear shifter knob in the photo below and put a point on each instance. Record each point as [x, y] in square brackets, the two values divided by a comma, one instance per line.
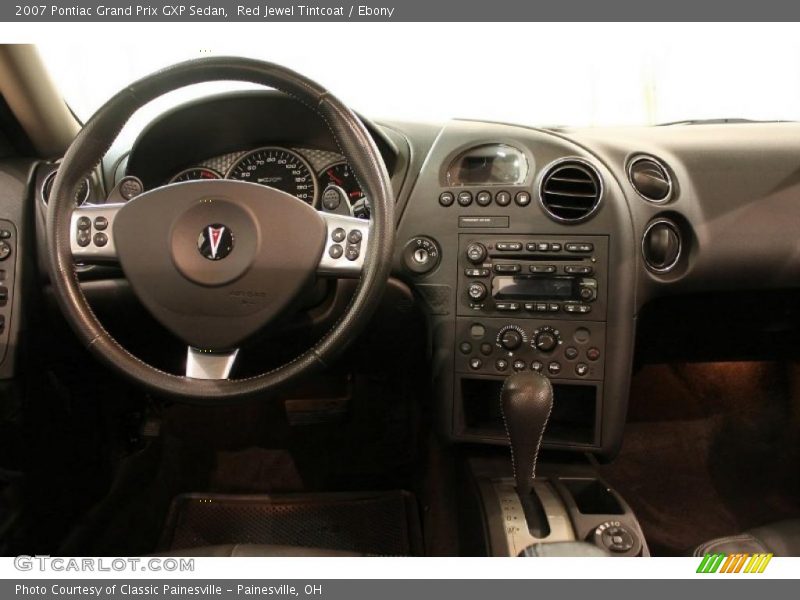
[526, 403]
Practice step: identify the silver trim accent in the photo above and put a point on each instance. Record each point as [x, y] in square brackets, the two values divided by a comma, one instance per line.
[676, 229]
[311, 171]
[201, 364]
[641, 157]
[342, 267]
[91, 252]
[548, 170]
[49, 178]
[518, 536]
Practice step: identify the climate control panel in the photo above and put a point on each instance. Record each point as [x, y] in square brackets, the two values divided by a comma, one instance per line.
[572, 350]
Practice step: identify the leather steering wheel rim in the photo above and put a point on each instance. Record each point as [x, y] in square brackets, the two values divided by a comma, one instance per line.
[96, 137]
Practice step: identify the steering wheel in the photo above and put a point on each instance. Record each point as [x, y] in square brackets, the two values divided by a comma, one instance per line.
[216, 261]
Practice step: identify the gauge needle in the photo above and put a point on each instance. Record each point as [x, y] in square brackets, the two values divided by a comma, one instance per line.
[336, 180]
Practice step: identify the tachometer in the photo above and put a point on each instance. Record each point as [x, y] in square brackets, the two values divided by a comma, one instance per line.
[342, 175]
[196, 173]
[279, 168]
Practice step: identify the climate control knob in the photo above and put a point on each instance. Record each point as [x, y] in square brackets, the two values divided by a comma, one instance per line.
[546, 339]
[476, 253]
[511, 339]
[477, 291]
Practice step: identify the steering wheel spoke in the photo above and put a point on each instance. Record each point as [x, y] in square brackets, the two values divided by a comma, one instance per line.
[345, 246]
[201, 364]
[92, 233]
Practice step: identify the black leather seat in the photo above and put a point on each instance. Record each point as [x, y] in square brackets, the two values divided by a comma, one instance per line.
[256, 550]
[781, 539]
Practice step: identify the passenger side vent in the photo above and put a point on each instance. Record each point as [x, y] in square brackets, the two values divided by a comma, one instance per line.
[650, 178]
[571, 190]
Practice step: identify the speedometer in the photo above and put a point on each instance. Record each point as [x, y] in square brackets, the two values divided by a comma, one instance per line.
[279, 168]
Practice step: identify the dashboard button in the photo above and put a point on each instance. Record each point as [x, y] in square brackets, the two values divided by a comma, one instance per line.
[573, 308]
[555, 247]
[464, 198]
[335, 251]
[519, 365]
[476, 272]
[578, 270]
[476, 253]
[571, 353]
[502, 198]
[507, 306]
[5, 249]
[578, 247]
[593, 354]
[553, 307]
[501, 364]
[475, 363]
[522, 198]
[509, 246]
[486, 348]
[446, 198]
[507, 268]
[483, 198]
[537, 366]
[542, 269]
[338, 235]
[581, 369]
[5, 234]
[554, 368]
[3, 295]
[465, 347]
[543, 247]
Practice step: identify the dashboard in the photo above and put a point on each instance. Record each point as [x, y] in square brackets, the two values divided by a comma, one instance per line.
[526, 249]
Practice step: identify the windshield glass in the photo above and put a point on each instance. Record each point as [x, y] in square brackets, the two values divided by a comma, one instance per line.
[635, 74]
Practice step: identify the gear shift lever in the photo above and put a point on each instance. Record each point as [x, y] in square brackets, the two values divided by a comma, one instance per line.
[526, 403]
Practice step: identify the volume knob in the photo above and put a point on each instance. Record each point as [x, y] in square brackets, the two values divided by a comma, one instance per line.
[476, 253]
[477, 291]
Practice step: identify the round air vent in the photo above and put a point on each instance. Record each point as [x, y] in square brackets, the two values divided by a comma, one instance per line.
[661, 245]
[650, 178]
[47, 187]
[570, 190]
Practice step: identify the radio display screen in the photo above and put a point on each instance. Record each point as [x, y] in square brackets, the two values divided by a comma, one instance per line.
[534, 288]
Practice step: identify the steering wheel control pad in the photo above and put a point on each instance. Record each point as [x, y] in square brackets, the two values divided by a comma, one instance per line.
[214, 261]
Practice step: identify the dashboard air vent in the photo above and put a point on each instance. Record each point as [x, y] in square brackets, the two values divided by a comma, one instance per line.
[650, 178]
[47, 188]
[571, 190]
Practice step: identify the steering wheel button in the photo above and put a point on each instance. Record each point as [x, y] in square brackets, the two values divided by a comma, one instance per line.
[84, 224]
[352, 252]
[100, 239]
[338, 235]
[335, 251]
[100, 223]
[354, 237]
[84, 238]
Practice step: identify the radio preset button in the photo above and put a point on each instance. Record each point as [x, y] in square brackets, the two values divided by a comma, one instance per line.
[464, 198]
[542, 269]
[502, 198]
[507, 268]
[509, 246]
[541, 307]
[579, 247]
[553, 307]
[543, 247]
[483, 198]
[446, 198]
[577, 308]
[555, 247]
[578, 270]
[507, 306]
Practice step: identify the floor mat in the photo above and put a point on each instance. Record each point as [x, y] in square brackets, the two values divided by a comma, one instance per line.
[380, 523]
[709, 450]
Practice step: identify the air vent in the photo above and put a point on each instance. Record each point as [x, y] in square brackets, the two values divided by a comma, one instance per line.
[650, 178]
[571, 190]
[47, 188]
